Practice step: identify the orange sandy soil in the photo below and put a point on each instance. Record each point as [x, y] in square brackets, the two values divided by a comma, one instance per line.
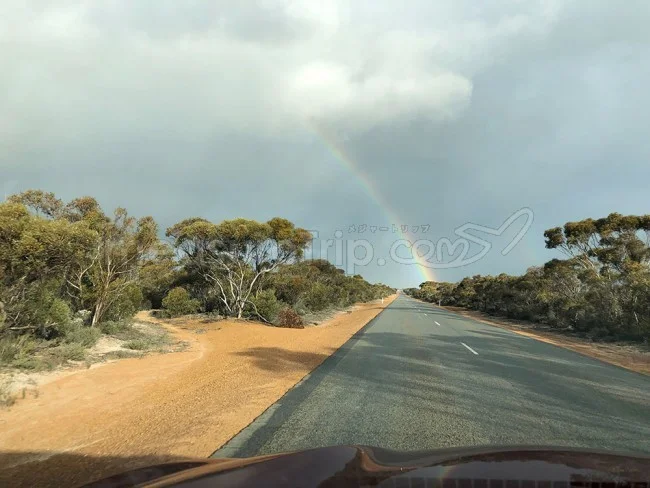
[628, 356]
[162, 407]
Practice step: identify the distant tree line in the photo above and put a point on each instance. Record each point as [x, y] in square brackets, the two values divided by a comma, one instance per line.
[70, 265]
[600, 290]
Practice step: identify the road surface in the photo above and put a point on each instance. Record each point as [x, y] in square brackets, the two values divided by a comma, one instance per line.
[419, 377]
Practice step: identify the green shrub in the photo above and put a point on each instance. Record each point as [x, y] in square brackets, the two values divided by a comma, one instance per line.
[81, 334]
[112, 328]
[69, 352]
[129, 333]
[59, 313]
[178, 302]
[599, 334]
[137, 345]
[288, 317]
[267, 305]
[126, 305]
[139, 341]
[318, 297]
[121, 354]
[16, 350]
[30, 362]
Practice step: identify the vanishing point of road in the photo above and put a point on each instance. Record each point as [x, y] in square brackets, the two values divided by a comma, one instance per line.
[419, 377]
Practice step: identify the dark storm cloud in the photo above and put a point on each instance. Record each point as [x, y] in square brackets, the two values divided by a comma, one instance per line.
[454, 112]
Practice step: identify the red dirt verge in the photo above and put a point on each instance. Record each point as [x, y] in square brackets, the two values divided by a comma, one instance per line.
[134, 412]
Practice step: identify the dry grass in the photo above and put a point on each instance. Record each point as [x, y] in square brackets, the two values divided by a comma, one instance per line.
[28, 364]
[632, 356]
[317, 318]
[81, 346]
[163, 406]
[7, 396]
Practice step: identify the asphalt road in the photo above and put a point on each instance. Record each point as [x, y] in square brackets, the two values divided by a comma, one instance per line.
[419, 377]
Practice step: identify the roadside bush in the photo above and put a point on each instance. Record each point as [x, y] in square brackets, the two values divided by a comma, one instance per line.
[300, 307]
[137, 345]
[126, 304]
[267, 305]
[289, 288]
[16, 349]
[59, 313]
[318, 297]
[38, 311]
[111, 328]
[137, 340]
[30, 362]
[69, 352]
[178, 302]
[81, 334]
[599, 334]
[288, 317]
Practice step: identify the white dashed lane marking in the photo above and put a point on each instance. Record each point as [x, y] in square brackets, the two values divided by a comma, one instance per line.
[472, 350]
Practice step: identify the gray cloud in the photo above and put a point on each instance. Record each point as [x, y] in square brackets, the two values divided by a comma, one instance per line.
[452, 111]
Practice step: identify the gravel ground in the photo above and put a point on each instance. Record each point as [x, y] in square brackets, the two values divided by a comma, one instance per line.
[135, 412]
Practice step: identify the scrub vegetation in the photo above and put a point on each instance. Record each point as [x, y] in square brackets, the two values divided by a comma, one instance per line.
[601, 290]
[71, 273]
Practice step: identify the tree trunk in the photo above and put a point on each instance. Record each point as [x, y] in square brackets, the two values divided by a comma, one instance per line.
[96, 317]
[100, 309]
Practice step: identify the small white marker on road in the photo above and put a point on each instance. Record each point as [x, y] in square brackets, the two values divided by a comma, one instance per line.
[437, 323]
[472, 350]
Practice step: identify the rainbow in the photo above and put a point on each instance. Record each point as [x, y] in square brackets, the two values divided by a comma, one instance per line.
[337, 149]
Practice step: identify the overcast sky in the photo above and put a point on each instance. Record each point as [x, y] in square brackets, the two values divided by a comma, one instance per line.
[447, 111]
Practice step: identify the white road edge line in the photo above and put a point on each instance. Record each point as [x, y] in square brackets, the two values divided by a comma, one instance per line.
[472, 350]
[437, 323]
